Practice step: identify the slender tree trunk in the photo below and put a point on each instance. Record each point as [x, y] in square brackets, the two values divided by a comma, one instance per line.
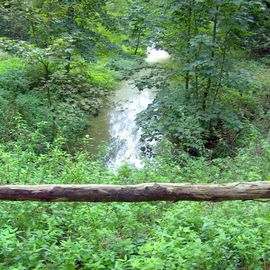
[67, 67]
[33, 30]
[197, 74]
[209, 81]
[224, 53]
[138, 42]
[70, 22]
[187, 76]
[137, 193]
[196, 57]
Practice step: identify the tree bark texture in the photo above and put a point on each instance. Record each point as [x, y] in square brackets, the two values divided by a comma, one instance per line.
[136, 193]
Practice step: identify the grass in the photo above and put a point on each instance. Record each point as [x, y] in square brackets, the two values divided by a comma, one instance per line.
[10, 63]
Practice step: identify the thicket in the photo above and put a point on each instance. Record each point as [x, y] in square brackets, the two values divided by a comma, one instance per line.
[210, 94]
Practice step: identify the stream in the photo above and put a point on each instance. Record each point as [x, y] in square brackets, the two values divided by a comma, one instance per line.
[116, 126]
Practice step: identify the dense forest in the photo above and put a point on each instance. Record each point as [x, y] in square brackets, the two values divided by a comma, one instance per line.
[206, 120]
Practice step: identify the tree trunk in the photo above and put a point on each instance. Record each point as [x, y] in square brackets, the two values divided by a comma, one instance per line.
[138, 42]
[70, 26]
[209, 81]
[187, 75]
[136, 193]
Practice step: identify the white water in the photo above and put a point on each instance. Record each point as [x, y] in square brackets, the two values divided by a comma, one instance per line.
[124, 133]
[156, 56]
[117, 126]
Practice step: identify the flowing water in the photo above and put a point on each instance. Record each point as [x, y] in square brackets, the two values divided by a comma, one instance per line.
[117, 127]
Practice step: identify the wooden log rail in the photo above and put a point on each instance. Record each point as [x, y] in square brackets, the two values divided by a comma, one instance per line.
[136, 193]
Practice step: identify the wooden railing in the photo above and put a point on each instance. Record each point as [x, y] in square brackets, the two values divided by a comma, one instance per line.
[136, 193]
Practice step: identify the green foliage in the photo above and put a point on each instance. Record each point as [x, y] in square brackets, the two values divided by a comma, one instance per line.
[10, 63]
[205, 99]
[166, 118]
[207, 32]
[126, 65]
[43, 22]
[101, 76]
[220, 128]
[258, 42]
[211, 132]
[64, 109]
[210, 117]
[231, 235]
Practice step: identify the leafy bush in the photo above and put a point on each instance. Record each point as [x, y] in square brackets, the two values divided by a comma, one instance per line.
[219, 129]
[63, 102]
[174, 122]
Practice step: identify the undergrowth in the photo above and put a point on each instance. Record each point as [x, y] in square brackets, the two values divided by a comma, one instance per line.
[7, 63]
[150, 236]
[62, 102]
